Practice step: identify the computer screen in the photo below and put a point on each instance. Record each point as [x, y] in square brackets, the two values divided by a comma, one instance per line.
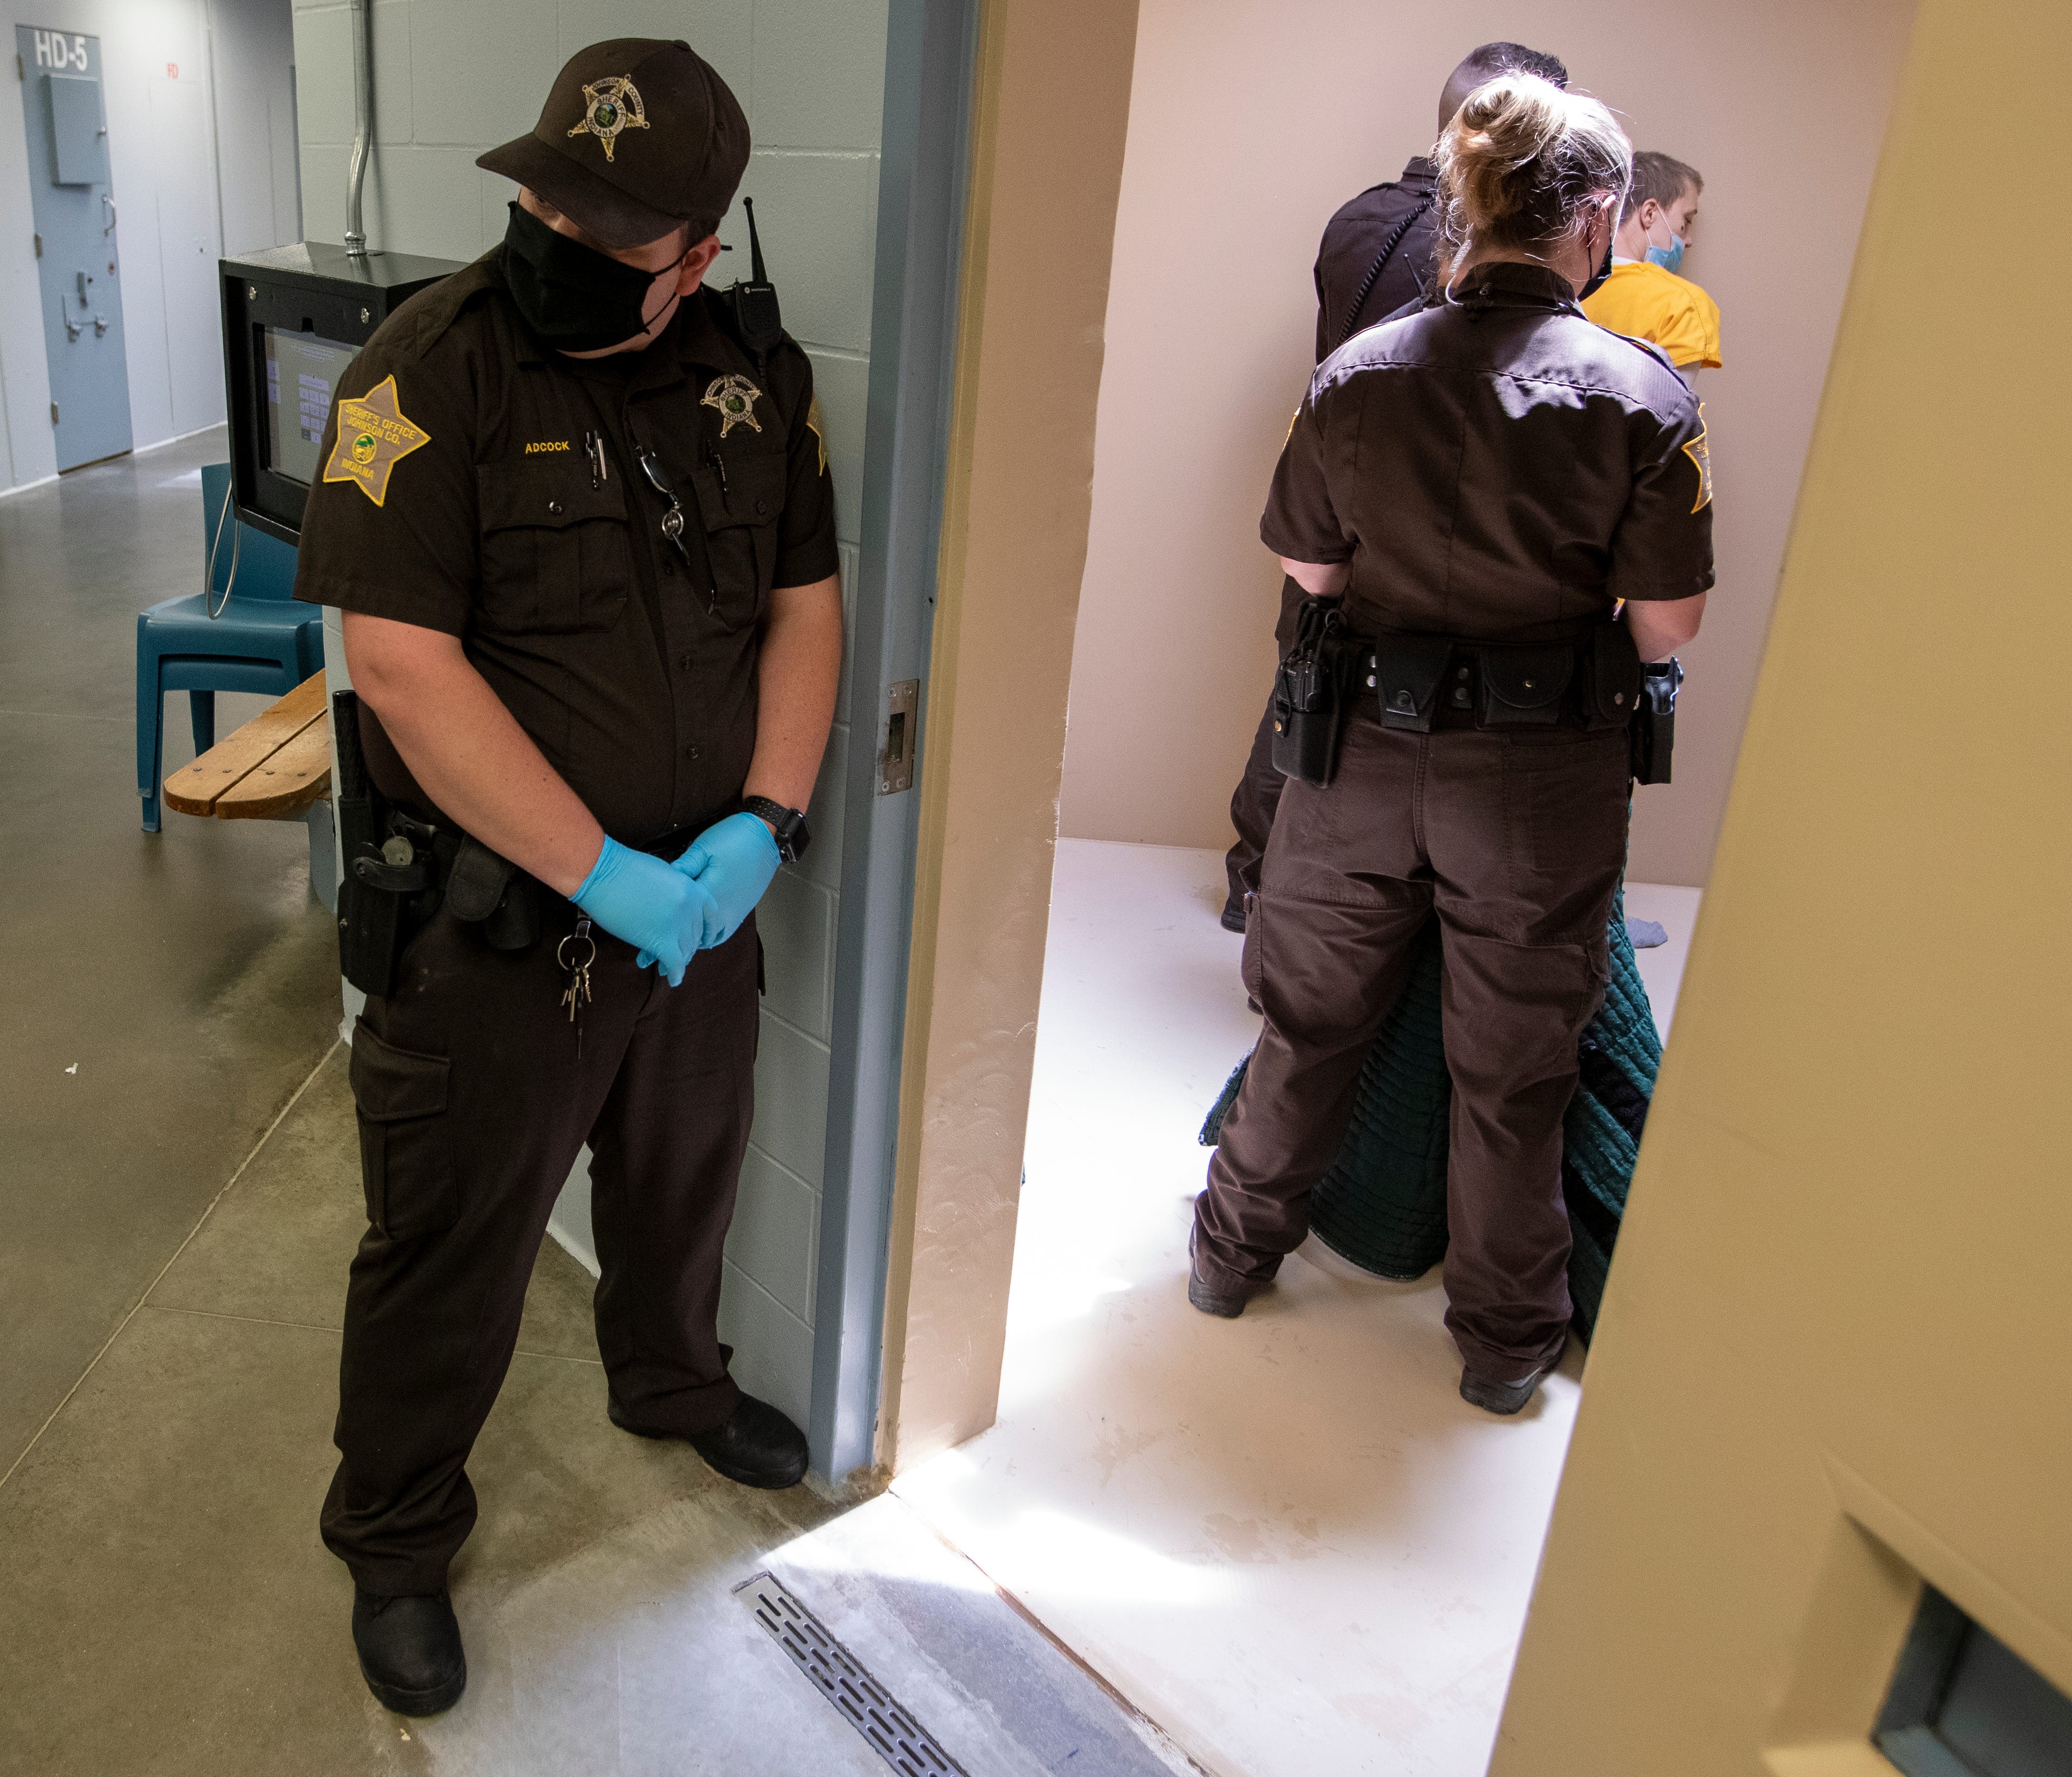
[301, 373]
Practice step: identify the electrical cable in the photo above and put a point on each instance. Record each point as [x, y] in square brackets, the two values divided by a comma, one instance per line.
[208, 568]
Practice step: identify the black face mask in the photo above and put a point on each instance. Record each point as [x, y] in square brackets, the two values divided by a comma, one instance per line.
[576, 298]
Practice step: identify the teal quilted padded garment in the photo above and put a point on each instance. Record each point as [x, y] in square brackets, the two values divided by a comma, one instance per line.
[1383, 1203]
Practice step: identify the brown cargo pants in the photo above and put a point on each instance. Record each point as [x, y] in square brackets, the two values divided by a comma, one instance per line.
[1518, 840]
[473, 1103]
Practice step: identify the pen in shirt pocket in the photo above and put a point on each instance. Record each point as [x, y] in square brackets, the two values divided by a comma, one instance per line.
[593, 449]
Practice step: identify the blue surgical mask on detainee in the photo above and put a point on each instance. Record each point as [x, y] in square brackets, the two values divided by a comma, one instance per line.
[1668, 258]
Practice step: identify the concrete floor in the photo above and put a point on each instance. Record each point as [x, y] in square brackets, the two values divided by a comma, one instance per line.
[1285, 1536]
[179, 1215]
[186, 975]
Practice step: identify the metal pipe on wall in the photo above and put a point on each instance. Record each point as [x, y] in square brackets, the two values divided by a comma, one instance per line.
[363, 123]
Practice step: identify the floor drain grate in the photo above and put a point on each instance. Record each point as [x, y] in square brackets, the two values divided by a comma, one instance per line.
[873, 1710]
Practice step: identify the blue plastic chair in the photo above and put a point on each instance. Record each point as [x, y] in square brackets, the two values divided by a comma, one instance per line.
[260, 640]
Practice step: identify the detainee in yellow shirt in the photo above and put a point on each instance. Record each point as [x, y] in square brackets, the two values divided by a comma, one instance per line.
[1644, 298]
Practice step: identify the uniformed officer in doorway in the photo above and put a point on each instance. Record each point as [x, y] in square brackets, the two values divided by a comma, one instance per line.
[1378, 255]
[575, 507]
[1478, 487]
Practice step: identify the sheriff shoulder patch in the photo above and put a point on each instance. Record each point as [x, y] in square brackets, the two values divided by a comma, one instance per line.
[373, 436]
[1700, 454]
[820, 435]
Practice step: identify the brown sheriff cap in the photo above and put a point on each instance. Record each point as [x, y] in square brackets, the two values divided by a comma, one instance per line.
[637, 137]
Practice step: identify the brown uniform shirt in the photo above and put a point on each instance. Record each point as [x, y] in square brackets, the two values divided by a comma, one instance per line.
[1497, 468]
[634, 675]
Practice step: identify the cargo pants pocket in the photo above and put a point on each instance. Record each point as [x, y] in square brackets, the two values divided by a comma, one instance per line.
[406, 1161]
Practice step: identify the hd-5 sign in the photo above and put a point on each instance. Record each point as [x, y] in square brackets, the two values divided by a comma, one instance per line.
[54, 49]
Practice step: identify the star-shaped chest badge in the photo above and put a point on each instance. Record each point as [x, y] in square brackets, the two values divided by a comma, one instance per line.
[735, 398]
[610, 106]
[373, 436]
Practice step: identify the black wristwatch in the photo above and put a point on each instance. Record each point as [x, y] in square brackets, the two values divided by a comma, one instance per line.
[793, 835]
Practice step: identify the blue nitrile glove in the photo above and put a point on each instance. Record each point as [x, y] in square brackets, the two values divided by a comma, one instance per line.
[733, 859]
[650, 904]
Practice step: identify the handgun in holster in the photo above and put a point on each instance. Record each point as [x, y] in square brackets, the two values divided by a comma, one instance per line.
[399, 872]
[374, 891]
[1654, 730]
[1308, 694]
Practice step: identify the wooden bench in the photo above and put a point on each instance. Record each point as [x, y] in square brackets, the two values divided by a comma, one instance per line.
[277, 767]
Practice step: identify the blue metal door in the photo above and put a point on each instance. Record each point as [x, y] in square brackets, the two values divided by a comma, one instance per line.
[74, 212]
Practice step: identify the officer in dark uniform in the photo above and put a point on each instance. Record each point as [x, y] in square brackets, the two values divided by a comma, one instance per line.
[576, 508]
[1377, 256]
[1480, 484]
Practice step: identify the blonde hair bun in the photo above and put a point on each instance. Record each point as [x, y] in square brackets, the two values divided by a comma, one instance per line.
[1522, 161]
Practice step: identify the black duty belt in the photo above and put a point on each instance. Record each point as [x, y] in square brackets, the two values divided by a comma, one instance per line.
[1595, 683]
[1598, 683]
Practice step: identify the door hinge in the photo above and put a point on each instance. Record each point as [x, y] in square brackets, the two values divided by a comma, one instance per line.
[54, 413]
[38, 239]
[21, 68]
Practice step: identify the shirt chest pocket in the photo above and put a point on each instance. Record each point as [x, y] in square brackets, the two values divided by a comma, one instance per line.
[740, 510]
[555, 555]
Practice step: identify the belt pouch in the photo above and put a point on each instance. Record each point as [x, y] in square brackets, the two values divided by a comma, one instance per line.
[515, 925]
[487, 890]
[476, 883]
[1611, 678]
[1306, 696]
[1405, 679]
[1654, 732]
[1525, 687]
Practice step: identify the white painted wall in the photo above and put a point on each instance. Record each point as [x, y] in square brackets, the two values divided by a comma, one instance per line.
[453, 78]
[253, 44]
[174, 71]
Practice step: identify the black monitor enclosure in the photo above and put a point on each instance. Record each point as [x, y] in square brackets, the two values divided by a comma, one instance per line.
[293, 318]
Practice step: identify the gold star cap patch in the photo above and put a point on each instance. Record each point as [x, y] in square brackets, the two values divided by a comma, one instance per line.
[685, 135]
[1700, 454]
[735, 398]
[373, 437]
[610, 106]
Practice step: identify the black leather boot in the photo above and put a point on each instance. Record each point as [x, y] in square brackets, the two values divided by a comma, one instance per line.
[1502, 1398]
[758, 1446]
[1211, 1295]
[409, 1649]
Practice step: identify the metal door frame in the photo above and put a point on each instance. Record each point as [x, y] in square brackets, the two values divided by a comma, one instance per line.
[925, 149]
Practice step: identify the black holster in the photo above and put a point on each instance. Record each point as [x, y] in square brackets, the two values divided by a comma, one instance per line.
[1654, 723]
[399, 871]
[371, 893]
[1308, 694]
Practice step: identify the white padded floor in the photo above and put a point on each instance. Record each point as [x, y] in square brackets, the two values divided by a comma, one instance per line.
[1285, 1538]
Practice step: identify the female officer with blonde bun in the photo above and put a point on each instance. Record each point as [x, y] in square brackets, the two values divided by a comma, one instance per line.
[1478, 486]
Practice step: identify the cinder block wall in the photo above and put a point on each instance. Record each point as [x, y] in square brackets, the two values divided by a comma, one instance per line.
[453, 78]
